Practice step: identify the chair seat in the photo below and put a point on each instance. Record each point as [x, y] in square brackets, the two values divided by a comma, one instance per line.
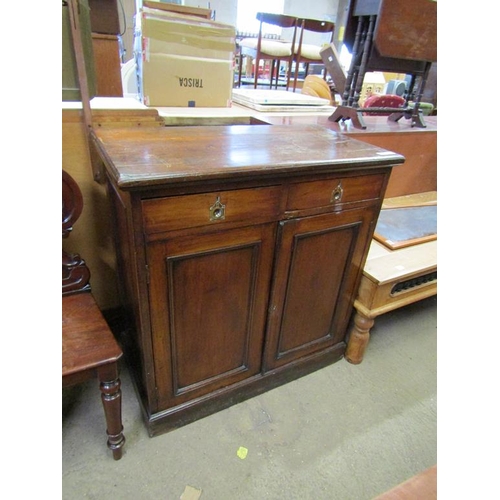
[87, 342]
[309, 51]
[384, 101]
[278, 52]
[305, 53]
[268, 47]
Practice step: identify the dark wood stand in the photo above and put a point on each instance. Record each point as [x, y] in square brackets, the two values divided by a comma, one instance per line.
[388, 35]
[240, 249]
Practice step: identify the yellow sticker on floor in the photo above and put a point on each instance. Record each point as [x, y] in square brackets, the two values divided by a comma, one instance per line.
[242, 452]
[190, 493]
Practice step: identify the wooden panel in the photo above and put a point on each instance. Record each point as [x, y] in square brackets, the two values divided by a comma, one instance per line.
[132, 276]
[320, 193]
[162, 156]
[176, 212]
[384, 265]
[419, 172]
[107, 65]
[314, 286]
[374, 299]
[407, 30]
[218, 307]
[411, 200]
[126, 117]
[208, 302]
[87, 341]
[104, 16]
[319, 260]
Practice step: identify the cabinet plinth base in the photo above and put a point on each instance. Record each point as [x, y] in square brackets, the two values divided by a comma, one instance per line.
[176, 417]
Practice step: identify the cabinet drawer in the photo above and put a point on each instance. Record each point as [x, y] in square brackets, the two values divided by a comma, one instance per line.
[334, 191]
[181, 212]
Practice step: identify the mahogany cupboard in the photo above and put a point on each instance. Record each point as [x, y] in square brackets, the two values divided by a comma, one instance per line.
[240, 249]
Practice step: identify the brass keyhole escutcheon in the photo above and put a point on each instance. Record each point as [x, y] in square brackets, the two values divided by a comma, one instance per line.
[217, 210]
[337, 193]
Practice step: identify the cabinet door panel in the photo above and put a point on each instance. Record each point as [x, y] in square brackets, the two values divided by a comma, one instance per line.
[317, 268]
[208, 303]
[316, 258]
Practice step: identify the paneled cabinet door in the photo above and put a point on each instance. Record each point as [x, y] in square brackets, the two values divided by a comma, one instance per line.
[319, 259]
[208, 301]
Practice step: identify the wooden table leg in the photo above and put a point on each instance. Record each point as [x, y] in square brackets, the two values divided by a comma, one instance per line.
[111, 396]
[358, 338]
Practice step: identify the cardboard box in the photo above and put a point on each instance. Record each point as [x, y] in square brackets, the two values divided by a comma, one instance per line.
[183, 60]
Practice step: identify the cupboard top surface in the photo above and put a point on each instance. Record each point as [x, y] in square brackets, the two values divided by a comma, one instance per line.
[141, 157]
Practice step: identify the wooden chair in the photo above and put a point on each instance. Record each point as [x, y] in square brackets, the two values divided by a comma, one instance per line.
[264, 49]
[88, 346]
[309, 53]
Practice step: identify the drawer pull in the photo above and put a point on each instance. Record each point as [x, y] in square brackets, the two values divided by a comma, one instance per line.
[337, 193]
[217, 210]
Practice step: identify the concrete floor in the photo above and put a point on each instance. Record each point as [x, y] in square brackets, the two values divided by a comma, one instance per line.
[346, 432]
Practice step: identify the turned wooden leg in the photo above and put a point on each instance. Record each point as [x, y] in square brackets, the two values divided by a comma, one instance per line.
[358, 338]
[111, 396]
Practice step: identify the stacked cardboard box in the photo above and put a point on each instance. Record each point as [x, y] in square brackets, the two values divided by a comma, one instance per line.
[183, 60]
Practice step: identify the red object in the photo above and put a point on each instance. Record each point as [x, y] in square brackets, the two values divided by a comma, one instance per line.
[384, 101]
